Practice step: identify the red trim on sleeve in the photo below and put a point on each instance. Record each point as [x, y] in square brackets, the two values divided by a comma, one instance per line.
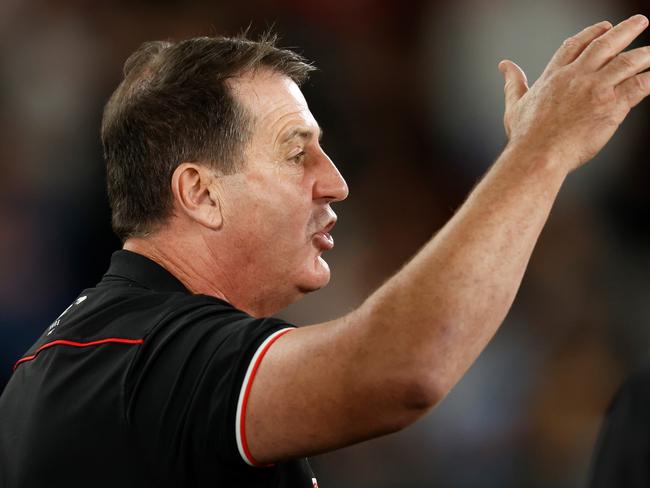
[63, 342]
[242, 420]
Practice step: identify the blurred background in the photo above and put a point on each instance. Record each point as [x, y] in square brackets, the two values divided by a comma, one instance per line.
[410, 99]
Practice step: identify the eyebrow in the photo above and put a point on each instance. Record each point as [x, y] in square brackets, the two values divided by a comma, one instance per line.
[304, 134]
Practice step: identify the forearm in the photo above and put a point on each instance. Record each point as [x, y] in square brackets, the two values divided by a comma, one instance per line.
[435, 316]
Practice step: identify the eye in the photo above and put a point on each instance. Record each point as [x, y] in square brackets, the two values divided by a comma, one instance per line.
[298, 157]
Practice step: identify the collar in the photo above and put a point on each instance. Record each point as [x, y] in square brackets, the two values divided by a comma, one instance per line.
[142, 270]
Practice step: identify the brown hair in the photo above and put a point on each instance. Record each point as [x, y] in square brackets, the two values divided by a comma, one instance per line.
[174, 105]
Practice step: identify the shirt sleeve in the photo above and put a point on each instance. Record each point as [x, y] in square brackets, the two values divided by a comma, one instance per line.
[622, 454]
[187, 391]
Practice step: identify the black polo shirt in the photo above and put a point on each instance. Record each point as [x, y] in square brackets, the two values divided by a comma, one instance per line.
[139, 383]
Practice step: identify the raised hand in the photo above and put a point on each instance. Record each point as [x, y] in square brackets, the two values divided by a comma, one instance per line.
[583, 95]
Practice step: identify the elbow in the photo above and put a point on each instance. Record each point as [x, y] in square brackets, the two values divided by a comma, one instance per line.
[423, 393]
[417, 396]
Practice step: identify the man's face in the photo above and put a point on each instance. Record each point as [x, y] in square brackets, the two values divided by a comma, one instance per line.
[277, 209]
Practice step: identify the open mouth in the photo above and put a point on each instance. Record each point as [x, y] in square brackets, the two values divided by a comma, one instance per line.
[323, 240]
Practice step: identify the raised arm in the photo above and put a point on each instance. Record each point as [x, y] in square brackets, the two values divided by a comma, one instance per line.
[381, 367]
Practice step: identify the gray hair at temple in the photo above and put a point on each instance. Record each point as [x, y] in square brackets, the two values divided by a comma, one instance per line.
[174, 105]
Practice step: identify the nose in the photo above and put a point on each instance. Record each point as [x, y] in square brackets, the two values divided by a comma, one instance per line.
[329, 184]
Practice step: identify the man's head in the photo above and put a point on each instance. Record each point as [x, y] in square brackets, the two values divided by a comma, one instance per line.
[210, 142]
[175, 105]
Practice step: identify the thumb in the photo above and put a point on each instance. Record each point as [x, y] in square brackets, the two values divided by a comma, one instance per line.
[516, 84]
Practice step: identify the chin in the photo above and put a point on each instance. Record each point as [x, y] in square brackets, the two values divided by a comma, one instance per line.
[315, 277]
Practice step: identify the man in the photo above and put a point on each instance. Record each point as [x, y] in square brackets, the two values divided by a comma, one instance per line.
[168, 373]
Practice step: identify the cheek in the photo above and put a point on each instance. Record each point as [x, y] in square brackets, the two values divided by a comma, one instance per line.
[277, 215]
[278, 224]
[286, 215]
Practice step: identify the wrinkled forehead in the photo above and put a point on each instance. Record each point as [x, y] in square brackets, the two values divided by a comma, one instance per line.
[273, 100]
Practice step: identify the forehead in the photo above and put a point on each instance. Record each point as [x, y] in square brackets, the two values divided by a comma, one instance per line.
[275, 101]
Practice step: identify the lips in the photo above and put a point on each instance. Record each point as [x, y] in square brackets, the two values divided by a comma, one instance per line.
[323, 239]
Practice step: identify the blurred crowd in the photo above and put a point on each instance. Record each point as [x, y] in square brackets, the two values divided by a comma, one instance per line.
[410, 100]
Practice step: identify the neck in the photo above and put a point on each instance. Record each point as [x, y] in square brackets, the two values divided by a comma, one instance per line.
[184, 266]
[201, 272]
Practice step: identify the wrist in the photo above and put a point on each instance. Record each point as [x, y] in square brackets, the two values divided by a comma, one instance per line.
[537, 159]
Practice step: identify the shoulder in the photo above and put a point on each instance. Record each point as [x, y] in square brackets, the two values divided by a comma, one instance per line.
[142, 309]
[192, 319]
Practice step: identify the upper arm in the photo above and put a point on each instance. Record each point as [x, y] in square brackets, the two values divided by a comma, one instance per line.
[321, 387]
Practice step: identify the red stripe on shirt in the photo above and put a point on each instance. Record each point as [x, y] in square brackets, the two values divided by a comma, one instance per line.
[242, 420]
[63, 342]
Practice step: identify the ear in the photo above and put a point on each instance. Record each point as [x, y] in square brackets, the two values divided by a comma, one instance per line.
[195, 194]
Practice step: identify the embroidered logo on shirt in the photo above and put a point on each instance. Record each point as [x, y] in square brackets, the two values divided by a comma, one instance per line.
[51, 328]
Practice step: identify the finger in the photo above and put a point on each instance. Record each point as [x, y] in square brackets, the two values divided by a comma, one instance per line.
[605, 47]
[574, 45]
[634, 89]
[516, 84]
[626, 64]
